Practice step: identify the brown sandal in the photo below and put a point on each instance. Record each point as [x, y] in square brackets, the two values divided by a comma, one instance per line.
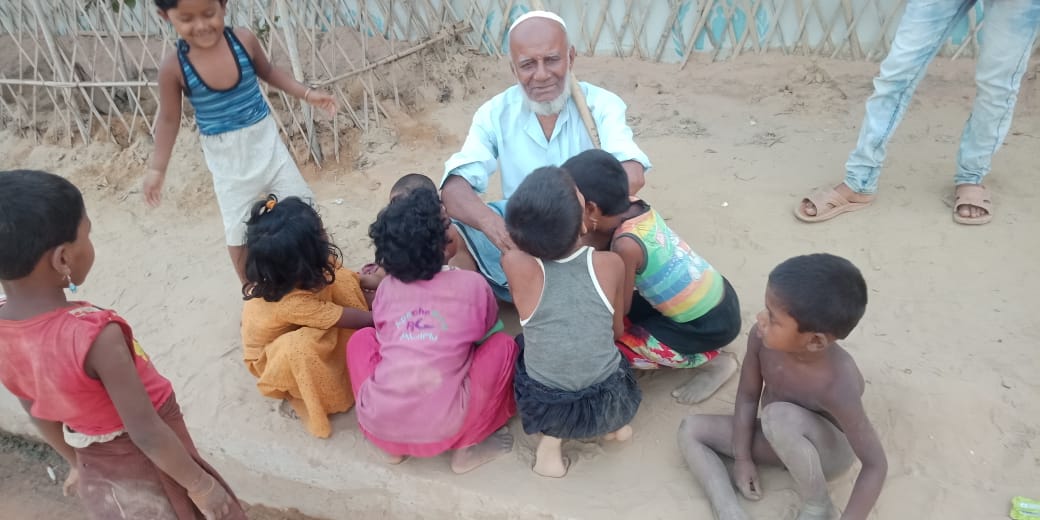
[829, 204]
[972, 195]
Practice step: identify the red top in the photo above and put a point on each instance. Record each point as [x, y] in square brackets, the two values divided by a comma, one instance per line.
[41, 360]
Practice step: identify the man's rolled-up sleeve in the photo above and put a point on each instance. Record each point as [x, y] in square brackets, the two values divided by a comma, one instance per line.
[615, 136]
[478, 158]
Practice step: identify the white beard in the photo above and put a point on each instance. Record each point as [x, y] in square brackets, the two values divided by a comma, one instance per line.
[551, 107]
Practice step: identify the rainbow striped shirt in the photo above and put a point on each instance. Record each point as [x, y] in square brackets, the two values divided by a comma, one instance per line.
[678, 282]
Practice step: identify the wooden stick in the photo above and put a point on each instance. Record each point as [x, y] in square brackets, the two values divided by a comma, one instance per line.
[59, 69]
[579, 98]
[297, 70]
[703, 19]
[447, 33]
[668, 27]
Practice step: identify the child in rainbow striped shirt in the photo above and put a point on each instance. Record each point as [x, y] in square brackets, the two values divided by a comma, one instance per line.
[679, 310]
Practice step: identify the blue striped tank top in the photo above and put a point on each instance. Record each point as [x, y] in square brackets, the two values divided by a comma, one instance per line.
[218, 111]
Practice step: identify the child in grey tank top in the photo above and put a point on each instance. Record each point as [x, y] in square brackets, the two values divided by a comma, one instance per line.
[570, 382]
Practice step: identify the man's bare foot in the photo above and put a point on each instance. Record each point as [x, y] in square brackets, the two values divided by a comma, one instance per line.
[548, 458]
[706, 380]
[493, 447]
[808, 208]
[622, 434]
[286, 410]
[818, 511]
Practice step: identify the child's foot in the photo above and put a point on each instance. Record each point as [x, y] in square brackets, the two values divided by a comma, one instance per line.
[622, 434]
[286, 410]
[394, 460]
[493, 447]
[552, 468]
[706, 380]
[548, 458]
[818, 511]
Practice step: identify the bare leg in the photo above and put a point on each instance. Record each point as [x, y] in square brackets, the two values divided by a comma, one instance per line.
[706, 380]
[493, 447]
[462, 258]
[548, 458]
[238, 259]
[622, 434]
[702, 439]
[812, 449]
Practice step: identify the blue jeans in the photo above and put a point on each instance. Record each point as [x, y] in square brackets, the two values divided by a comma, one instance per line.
[1006, 40]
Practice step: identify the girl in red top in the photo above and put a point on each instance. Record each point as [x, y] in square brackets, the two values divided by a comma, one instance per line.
[89, 388]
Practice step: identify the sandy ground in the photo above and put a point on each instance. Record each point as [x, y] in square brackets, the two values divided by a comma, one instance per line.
[947, 345]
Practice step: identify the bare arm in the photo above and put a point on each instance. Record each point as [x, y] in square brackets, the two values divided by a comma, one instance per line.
[846, 407]
[636, 176]
[167, 125]
[525, 279]
[52, 433]
[749, 392]
[280, 78]
[111, 362]
[464, 204]
[354, 319]
[632, 255]
[610, 271]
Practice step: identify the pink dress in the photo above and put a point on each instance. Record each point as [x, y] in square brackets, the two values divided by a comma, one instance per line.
[431, 376]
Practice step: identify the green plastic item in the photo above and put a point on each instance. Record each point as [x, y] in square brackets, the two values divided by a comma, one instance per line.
[1023, 508]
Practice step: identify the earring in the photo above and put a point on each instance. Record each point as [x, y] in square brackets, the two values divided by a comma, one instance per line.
[72, 287]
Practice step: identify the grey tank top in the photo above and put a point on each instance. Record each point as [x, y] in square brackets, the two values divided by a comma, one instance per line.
[569, 338]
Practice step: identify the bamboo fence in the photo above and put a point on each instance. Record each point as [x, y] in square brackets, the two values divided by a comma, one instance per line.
[85, 69]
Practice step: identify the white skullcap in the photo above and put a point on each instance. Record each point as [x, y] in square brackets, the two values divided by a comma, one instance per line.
[538, 14]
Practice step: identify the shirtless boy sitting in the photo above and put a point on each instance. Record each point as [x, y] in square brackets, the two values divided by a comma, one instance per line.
[813, 421]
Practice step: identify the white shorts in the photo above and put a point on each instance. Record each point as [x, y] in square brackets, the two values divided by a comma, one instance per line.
[247, 165]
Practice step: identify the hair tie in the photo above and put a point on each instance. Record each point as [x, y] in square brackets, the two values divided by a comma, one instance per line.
[272, 201]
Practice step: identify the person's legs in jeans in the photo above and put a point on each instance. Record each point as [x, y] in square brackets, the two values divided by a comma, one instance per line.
[925, 25]
[1009, 31]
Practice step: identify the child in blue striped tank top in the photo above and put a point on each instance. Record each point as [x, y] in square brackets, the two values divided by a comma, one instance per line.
[217, 68]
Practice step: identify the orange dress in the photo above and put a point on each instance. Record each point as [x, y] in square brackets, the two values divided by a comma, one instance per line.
[296, 352]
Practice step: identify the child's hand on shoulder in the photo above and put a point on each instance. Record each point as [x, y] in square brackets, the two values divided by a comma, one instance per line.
[321, 100]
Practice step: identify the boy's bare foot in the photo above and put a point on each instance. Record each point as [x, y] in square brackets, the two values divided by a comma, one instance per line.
[394, 460]
[706, 380]
[548, 458]
[493, 447]
[622, 434]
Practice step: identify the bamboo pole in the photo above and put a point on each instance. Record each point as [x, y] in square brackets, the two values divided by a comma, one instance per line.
[289, 31]
[58, 70]
[579, 99]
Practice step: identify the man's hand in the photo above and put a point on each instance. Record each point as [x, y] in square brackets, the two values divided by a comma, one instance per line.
[746, 476]
[322, 101]
[494, 227]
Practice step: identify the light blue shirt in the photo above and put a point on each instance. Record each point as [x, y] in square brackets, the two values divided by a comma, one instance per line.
[505, 136]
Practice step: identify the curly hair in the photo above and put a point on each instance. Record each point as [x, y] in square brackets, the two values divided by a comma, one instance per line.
[287, 248]
[410, 235]
[38, 212]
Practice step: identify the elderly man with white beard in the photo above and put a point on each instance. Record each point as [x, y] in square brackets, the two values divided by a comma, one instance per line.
[532, 124]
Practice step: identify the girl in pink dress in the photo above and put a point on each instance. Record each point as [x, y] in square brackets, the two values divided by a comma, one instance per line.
[434, 374]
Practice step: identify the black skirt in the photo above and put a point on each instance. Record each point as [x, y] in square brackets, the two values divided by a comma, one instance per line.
[591, 412]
